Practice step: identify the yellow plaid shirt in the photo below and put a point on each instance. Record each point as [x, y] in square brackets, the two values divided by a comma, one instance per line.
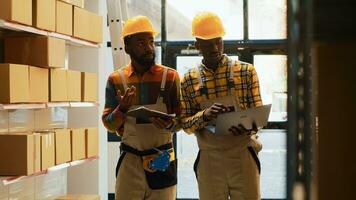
[246, 87]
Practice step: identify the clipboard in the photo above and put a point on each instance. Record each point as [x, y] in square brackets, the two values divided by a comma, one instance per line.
[246, 117]
[145, 113]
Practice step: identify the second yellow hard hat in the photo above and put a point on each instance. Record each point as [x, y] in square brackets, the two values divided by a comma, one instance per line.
[138, 24]
[207, 25]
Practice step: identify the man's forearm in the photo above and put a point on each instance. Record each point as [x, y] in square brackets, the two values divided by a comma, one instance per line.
[194, 123]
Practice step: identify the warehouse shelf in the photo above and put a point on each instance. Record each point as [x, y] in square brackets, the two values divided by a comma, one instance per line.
[11, 26]
[47, 105]
[57, 104]
[14, 179]
[22, 106]
[83, 104]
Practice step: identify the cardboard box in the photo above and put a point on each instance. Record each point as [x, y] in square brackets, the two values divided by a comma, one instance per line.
[16, 10]
[50, 118]
[78, 197]
[87, 25]
[4, 192]
[97, 28]
[62, 146]
[47, 150]
[58, 85]
[74, 85]
[40, 51]
[91, 142]
[89, 87]
[78, 143]
[21, 120]
[38, 84]
[78, 3]
[19, 154]
[4, 121]
[64, 18]
[44, 14]
[14, 87]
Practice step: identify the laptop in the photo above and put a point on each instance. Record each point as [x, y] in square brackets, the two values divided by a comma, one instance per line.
[246, 117]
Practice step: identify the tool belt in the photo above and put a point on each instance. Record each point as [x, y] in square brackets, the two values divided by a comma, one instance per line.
[156, 178]
[129, 149]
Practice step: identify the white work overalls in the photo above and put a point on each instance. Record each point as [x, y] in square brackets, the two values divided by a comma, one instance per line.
[226, 165]
[133, 182]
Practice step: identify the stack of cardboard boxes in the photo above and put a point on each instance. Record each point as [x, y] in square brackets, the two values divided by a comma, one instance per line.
[30, 153]
[34, 72]
[62, 16]
[48, 81]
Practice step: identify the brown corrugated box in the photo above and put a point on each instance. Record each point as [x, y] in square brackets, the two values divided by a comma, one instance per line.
[89, 87]
[50, 118]
[78, 197]
[78, 143]
[97, 28]
[87, 25]
[78, 3]
[91, 142]
[62, 146]
[38, 84]
[4, 121]
[58, 85]
[44, 14]
[19, 154]
[64, 18]
[47, 150]
[14, 87]
[21, 120]
[16, 10]
[40, 51]
[74, 85]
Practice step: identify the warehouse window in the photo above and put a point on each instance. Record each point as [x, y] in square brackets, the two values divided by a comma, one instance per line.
[272, 73]
[151, 9]
[267, 19]
[180, 14]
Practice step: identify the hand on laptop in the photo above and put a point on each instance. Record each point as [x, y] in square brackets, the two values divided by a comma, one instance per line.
[241, 130]
[213, 111]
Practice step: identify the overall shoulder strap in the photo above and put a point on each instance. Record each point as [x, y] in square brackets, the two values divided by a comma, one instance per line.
[231, 84]
[123, 79]
[163, 86]
[203, 88]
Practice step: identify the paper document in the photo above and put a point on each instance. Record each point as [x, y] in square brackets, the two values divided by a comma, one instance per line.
[246, 117]
[143, 112]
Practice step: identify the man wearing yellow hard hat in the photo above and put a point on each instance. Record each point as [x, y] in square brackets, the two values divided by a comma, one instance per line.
[227, 166]
[147, 166]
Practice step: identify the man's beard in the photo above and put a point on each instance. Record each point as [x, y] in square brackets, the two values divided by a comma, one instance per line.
[145, 62]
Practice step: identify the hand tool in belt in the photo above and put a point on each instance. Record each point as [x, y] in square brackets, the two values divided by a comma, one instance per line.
[155, 159]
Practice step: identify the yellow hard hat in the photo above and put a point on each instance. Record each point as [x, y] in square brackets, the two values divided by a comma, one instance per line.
[138, 24]
[207, 25]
